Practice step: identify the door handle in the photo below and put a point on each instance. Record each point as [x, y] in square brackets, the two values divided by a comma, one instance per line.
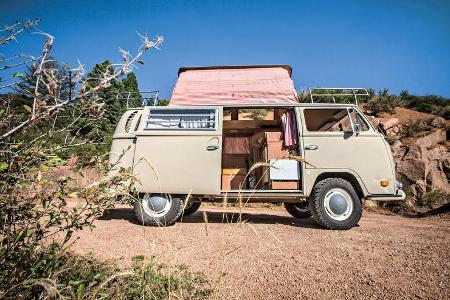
[311, 147]
[212, 147]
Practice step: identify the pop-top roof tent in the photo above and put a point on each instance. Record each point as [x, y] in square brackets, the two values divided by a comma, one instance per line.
[225, 85]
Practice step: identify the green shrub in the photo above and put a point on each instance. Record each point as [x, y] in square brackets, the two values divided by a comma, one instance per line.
[413, 128]
[430, 104]
[382, 104]
[163, 102]
[67, 275]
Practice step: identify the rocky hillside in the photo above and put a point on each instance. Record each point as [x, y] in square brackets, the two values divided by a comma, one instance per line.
[421, 149]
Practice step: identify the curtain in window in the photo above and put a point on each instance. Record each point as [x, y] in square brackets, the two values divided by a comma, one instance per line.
[290, 130]
[195, 122]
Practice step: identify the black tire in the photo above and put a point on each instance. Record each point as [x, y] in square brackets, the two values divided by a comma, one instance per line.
[298, 210]
[167, 218]
[324, 215]
[191, 207]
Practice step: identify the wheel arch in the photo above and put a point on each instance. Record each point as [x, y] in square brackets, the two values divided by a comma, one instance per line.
[357, 185]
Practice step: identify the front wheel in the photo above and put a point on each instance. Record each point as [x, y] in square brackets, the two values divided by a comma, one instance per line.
[158, 209]
[334, 204]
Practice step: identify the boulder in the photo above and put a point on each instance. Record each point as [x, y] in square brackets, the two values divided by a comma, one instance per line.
[439, 167]
[412, 161]
[437, 137]
[374, 121]
[440, 153]
[438, 122]
[396, 147]
[436, 177]
[425, 168]
[396, 129]
[388, 123]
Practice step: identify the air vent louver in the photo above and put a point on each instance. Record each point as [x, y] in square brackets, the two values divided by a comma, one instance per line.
[129, 121]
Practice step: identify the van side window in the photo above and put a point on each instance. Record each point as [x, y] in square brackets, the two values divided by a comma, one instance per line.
[182, 119]
[339, 119]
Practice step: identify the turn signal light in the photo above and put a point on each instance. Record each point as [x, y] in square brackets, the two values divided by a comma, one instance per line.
[384, 183]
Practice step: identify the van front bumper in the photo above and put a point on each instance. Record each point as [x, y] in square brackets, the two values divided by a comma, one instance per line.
[399, 196]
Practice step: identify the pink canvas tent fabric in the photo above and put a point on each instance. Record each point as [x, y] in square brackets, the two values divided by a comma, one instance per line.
[234, 85]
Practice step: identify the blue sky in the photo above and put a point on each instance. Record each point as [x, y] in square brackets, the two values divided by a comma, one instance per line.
[394, 44]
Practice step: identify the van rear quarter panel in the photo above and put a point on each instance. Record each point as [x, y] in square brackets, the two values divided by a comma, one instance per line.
[122, 154]
[122, 146]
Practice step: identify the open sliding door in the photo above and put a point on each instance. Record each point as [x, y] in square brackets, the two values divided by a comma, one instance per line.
[179, 150]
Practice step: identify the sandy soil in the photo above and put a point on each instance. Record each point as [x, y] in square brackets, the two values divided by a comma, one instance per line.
[274, 256]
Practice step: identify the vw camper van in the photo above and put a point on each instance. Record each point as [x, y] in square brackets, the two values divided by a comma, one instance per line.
[239, 133]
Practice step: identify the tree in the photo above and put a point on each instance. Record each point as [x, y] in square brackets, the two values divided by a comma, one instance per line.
[58, 85]
[130, 85]
[113, 109]
[114, 106]
[163, 102]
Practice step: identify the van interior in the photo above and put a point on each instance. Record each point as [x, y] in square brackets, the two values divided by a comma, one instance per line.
[258, 149]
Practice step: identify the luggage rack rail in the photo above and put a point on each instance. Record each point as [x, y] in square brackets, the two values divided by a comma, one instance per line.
[337, 92]
[140, 99]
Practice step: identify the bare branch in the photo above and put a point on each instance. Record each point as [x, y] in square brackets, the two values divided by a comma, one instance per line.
[16, 30]
[18, 64]
[42, 108]
[47, 48]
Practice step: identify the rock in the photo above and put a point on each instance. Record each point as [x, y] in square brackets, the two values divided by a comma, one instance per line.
[426, 168]
[395, 130]
[439, 158]
[396, 147]
[413, 189]
[412, 161]
[388, 123]
[437, 178]
[375, 121]
[438, 122]
[437, 137]
[370, 203]
[439, 153]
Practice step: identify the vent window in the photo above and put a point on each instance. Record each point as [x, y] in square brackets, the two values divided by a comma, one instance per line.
[182, 119]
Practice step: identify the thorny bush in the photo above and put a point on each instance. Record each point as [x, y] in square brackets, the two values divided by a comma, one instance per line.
[40, 130]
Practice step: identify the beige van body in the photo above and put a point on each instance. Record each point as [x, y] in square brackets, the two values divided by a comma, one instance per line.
[178, 162]
[228, 134]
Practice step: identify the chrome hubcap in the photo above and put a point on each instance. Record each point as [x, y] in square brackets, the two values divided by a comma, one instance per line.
[338, 204]
[156, 205]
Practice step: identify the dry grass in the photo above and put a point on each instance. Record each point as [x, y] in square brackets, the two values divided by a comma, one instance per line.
[91, 178]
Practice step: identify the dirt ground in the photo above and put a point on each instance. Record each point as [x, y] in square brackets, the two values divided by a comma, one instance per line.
[271, 255]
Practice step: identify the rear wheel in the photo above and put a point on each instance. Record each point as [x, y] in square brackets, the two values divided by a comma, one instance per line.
[298, 210]
[334, 204]
[158, 209]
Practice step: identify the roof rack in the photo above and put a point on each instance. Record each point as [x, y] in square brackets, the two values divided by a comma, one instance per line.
[337, 92]
[139, 99]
